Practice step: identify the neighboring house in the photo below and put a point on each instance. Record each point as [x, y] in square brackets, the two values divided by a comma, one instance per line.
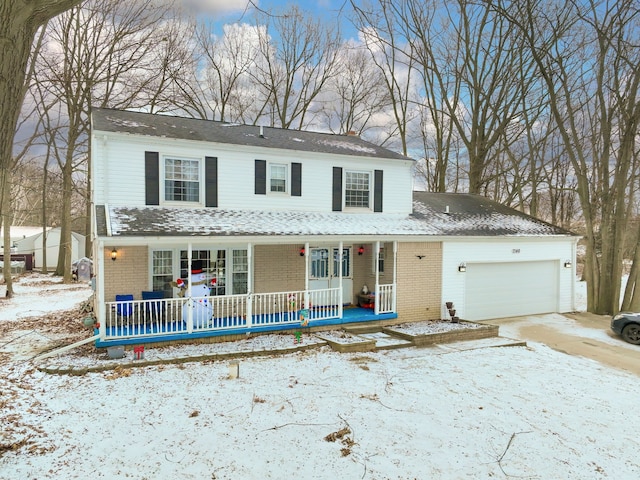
[33, 243]
[288, 227]
[19, 233]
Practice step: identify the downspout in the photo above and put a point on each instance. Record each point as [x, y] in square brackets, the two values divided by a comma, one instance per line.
[395, 278]
[101, 314]
[340, 292]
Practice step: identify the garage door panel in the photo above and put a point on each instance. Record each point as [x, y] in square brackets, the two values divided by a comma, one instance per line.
[499, 290]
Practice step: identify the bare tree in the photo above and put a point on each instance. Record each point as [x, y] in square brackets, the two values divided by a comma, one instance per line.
[298, 56]
[356, 95]
[98, 54]
[588, 55]
[391, 53]
[20, 20]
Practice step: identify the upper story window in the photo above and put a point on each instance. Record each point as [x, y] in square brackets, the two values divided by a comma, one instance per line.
[278, 177]
[357, 189]
[181, 180]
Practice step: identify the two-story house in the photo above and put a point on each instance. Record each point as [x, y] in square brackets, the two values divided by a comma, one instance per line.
[209, 229]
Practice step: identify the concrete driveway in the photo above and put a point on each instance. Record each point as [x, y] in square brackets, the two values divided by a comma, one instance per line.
[578, 333]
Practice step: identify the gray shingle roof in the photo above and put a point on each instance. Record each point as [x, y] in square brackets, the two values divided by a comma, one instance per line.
[137, 123]
[469, 215]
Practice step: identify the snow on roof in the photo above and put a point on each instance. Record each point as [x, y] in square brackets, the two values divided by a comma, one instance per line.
[470, 216]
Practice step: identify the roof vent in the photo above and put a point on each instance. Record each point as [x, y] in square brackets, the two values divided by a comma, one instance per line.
[446, 209]
[261, 131]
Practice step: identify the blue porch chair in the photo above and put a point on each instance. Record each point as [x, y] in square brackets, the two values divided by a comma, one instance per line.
[153, 310]
[124, 307]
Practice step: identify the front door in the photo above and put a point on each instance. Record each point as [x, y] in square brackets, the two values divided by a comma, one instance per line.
[325, 267]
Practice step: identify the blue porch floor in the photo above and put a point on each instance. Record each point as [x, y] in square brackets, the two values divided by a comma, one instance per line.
[172, 331]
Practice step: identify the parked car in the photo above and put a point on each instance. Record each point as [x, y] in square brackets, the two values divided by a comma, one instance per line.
[627, 325]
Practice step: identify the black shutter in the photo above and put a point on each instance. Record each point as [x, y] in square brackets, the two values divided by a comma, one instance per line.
[337, 189]
[261, 177]
[296, 179]
[152, 178]
[211, 181]
[377, 191]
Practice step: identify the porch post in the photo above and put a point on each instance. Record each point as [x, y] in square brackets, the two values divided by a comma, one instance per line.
[376, 289]
[249, 307]
[340, 292]
[189, 299]
[395, 279]
[99, 305]
[306, 275]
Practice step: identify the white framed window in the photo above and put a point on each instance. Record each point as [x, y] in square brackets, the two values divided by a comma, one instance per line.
[240, 271]
[162, 271]
[380, 259]
[357, 189]
[278, 178]
[215, 266]
[182, 180]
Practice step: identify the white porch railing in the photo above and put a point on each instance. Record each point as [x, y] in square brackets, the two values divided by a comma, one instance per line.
[144, 318]
[276, 308]
[136, 318]
[385, 299]
[324, 304]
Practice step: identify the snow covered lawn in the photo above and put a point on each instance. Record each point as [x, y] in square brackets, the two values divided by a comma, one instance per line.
[404, 414]
[412, 413]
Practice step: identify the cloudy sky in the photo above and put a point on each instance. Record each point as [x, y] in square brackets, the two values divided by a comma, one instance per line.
[232, 11]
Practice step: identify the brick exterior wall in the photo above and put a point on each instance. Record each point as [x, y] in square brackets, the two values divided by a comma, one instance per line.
[419, 281]
[278, 268]
[128, 274]
[363, 268]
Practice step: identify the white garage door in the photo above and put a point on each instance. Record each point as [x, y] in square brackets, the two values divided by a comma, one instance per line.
[497, 290]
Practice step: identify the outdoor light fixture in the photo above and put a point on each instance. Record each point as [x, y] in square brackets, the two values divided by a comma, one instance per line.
[302, 252]
[567, 264]
[114, 254]
[462, 267]
[361, 250]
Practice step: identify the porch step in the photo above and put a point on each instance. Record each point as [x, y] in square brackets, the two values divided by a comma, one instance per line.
[384, 341]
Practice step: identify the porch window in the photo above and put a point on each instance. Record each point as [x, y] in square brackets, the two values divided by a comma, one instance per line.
[278, 178]
[162, 271]
[218, 271]
[240, 271]
[181, 180]
[380, 261]
[357, 188]
[215, 265]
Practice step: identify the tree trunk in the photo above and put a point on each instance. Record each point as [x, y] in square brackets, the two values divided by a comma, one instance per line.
[7, 219]
[19, 22]
[64, 255]
[631, 299]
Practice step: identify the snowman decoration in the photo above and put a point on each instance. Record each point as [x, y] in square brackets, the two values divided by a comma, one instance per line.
[198, 301]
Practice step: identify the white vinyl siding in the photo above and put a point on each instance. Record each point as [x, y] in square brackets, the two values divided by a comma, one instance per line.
[511, 269]
[117, 153]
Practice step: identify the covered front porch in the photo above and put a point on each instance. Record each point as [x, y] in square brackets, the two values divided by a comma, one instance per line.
[128, 319]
